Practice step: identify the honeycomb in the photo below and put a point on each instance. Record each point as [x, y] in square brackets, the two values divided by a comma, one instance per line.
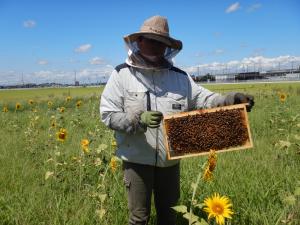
[199, 133]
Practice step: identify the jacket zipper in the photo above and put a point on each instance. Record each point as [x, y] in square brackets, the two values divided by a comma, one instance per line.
[156, 139]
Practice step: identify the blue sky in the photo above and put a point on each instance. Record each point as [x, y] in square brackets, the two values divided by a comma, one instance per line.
[47, 41]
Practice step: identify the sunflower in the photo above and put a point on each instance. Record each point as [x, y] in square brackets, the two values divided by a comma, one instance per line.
[62, 109]
[85, 145]
[78, 103]
[61, 134]
[282, 97]
[5, 109]
[30, 102]
[53, 124]
[211, 165]
[50, 104]
[113, 144]
[212, 160]
[113, 164]
[207, 175]
[218, 207]
[68, 99]
[18, 106]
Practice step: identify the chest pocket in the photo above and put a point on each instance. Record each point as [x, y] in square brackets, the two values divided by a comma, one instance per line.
[135, 101]
[172, 103]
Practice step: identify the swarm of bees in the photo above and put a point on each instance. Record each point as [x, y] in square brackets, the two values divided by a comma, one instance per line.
[198, 133]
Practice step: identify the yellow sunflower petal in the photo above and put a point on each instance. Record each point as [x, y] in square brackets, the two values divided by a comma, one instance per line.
[218, 207]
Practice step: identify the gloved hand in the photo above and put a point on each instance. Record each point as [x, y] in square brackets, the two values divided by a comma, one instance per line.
[238, 98]
[151, 118]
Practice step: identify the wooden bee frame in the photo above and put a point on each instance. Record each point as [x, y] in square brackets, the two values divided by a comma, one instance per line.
[195, 133]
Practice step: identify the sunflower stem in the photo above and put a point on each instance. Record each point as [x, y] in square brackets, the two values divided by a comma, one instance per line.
[194, 193]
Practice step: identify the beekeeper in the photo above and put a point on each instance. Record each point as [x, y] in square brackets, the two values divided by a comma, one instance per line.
[137, 95]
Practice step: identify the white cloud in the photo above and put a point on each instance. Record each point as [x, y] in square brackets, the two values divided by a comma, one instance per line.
[97, 61]
[102, 72]
[83, 48]
[44, 74]
[42, 62]
[232, 8]
[86, 75]
[29, 24]
[251, 63]
[218, 52]
[254, 7]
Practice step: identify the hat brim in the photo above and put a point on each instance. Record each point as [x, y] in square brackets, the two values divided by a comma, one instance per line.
[171, 42]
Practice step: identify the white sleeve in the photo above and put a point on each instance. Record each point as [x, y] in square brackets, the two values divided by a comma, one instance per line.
[112, 110]
[112, 98]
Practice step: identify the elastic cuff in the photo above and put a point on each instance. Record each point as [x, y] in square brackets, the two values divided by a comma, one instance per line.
[142, 126]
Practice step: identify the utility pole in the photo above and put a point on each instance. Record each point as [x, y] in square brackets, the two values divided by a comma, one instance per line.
[260, 66]
[22, 79]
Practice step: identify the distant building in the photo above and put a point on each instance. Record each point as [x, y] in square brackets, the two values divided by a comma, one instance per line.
[206, 78]
[76, 83]
[249, 76]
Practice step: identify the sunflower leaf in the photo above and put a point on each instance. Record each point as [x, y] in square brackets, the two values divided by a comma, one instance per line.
[48, 175]
[284, 144]
[100, 213]
[180, 208]
[192, 218]
[202, 222]
[102, 197]
[200, 205]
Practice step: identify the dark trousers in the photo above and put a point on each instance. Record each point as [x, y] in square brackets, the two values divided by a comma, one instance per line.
[140, 181]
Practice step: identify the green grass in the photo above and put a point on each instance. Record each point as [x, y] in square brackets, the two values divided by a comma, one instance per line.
[8, 95]
[257, 180]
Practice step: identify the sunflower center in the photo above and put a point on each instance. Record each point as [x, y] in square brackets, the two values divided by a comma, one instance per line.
[218, 209]
[62, 135]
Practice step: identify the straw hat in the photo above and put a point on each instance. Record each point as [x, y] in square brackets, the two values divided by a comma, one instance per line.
[156, 28]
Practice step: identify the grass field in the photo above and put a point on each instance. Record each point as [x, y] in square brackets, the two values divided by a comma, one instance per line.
[47, 181]
[39, 94]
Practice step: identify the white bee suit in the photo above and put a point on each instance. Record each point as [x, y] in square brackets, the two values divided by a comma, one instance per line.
[124, 99]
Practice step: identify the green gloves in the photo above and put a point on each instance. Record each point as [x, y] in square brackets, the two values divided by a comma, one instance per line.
[151, 118]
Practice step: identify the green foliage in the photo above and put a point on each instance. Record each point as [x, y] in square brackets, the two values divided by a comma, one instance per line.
[44, 181]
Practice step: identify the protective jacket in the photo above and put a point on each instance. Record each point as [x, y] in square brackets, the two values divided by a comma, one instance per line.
[125, 98]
